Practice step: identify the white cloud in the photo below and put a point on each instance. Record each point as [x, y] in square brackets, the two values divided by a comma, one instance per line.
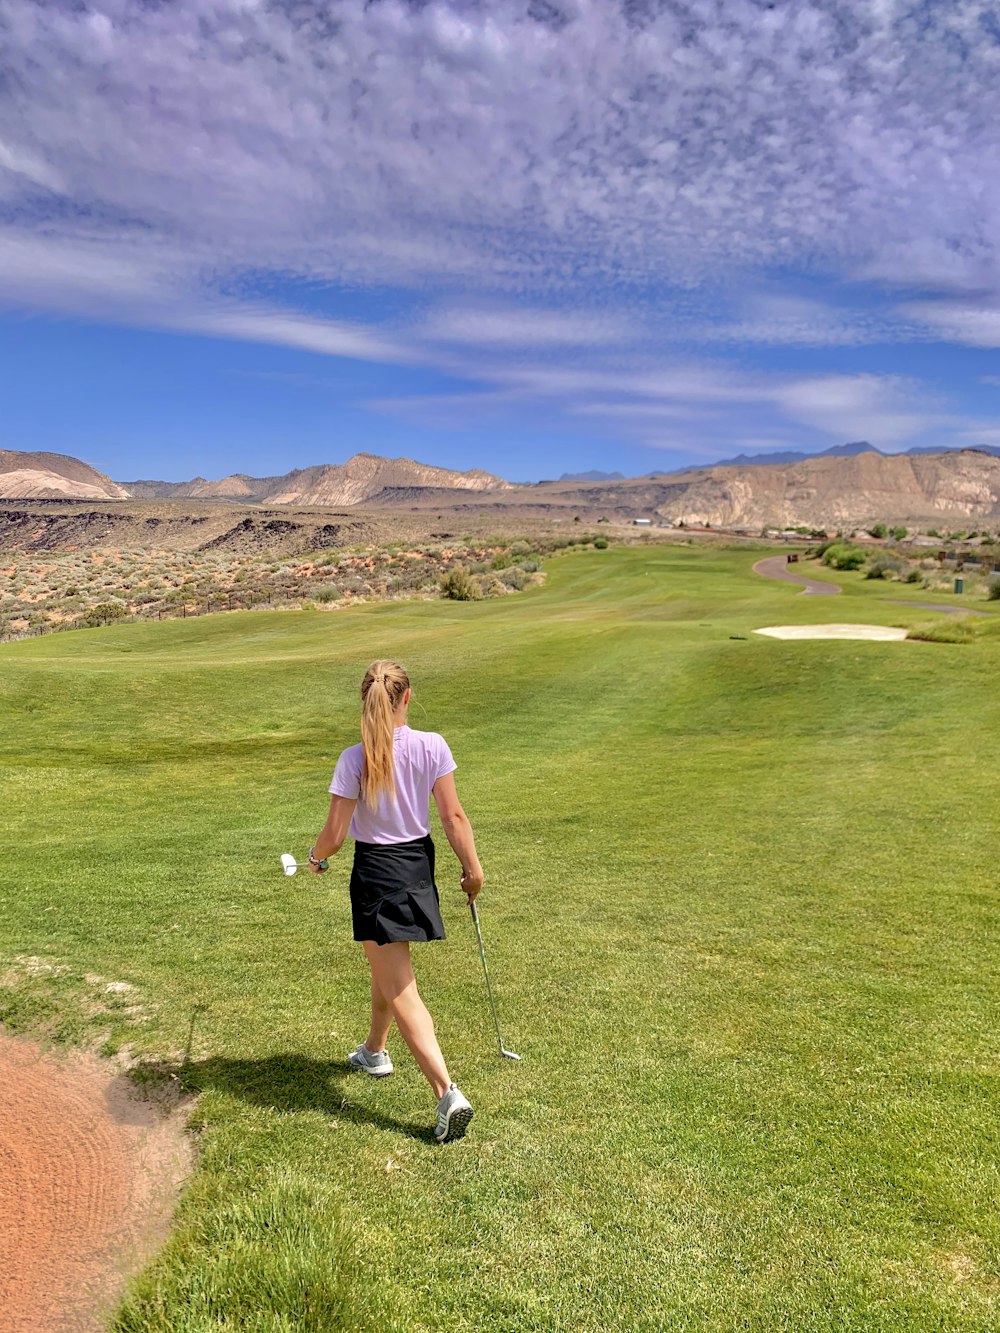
[777, 319]
[888, 410]
[972, 324]
[526, 327]
[512, 143]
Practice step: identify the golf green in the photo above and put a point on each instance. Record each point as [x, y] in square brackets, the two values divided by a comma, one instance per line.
[741, 913]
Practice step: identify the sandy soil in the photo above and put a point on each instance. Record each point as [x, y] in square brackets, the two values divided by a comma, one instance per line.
[89, 1176]
[832, 632]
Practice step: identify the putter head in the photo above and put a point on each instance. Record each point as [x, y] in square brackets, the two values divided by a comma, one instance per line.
[288, 863]
[508, 1055]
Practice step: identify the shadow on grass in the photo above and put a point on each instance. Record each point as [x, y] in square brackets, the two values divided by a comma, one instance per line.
[292, 1082]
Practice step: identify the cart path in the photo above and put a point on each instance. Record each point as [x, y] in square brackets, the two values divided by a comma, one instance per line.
[776, 567]
[89, 1176]
[947, 607]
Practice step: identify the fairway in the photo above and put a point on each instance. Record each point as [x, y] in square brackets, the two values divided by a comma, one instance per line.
[741, 912]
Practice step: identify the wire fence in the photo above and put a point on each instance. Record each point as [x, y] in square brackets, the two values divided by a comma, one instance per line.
[94, 619]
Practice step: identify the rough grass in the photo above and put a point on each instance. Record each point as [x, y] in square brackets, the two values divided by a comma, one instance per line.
[946, 629]
[741, 912]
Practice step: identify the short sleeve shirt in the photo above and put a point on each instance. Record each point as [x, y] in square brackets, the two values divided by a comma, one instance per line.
[419, 759]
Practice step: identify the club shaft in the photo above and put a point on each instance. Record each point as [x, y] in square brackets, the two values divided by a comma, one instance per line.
[486, 974]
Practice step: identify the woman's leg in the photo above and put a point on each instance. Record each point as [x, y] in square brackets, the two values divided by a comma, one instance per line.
[392, 972]
[378, 1033]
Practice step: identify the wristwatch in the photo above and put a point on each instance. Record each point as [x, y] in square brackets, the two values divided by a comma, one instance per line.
[323, 865]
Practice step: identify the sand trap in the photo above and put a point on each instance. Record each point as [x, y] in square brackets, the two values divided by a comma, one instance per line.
[89, 1176]
[832, 632]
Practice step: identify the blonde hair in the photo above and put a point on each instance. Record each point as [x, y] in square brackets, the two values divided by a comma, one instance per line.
[382, 691]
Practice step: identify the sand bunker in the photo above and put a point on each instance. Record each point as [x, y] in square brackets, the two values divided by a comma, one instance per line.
[832, 632]
[89, 1176]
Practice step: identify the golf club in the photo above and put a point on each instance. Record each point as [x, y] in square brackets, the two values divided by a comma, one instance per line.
[289, 864]
[508, 1055]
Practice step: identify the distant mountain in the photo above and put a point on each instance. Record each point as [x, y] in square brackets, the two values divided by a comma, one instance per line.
[335, 485]
[44, 476]
[844, 451]
[791, 456]
[592, 475]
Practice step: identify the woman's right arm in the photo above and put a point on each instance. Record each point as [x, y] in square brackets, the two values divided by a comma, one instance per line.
[458, 831]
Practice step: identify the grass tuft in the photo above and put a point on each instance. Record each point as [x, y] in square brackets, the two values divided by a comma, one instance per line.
[948, 629]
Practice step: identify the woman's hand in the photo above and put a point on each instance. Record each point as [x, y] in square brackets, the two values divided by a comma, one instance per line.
[472, 883]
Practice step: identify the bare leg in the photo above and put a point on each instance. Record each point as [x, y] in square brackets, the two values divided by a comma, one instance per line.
[378, 1033]
[392, 972]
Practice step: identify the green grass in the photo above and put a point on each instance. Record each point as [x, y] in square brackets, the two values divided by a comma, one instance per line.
[946, 629]
[742, 917]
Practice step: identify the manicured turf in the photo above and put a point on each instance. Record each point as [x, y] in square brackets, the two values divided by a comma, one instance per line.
[742, 915]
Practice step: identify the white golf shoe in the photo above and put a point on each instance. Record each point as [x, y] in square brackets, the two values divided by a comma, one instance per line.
[454, 1114]
[376, 1063]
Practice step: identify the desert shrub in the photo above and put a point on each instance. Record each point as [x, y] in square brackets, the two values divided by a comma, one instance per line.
[326, 594]
[914, 576]
[515, 578]
[103, 613]
[71, 591]
[883, 566]
[842, 556]
[489, 585]
[500, 561]
[458, 585]
[600, 543]
[878, 530]
[993, 588]
[898, 533]
[529, 566]
[949, 629]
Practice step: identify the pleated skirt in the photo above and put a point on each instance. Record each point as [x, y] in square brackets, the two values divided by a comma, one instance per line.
[393, 894]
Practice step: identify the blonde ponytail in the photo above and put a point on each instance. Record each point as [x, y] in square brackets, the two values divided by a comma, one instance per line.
[382, 691]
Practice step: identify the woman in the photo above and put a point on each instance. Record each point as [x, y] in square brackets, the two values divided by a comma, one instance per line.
[381, 794]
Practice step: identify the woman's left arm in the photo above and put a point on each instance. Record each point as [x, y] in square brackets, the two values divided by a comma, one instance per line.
[338, 821]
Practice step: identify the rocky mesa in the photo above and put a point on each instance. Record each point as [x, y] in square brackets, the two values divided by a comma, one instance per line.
[827, 490]
[951, 486]
[360, 479]
[44, 476]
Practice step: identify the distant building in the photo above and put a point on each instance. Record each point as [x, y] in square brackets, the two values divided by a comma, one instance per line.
[643, 522]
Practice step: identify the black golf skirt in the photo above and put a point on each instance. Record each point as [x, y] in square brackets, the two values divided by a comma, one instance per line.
[393, 894]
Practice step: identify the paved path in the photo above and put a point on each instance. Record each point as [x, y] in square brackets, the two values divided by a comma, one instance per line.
[949, 607]
[777, 567]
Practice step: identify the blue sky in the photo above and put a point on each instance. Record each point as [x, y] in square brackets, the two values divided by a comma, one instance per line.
[531, 237]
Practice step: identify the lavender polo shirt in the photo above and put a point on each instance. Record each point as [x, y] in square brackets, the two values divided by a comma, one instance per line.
[419, 759]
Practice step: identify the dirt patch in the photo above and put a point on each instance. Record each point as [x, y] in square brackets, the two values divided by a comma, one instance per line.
[89, 1176]
[884, 632]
